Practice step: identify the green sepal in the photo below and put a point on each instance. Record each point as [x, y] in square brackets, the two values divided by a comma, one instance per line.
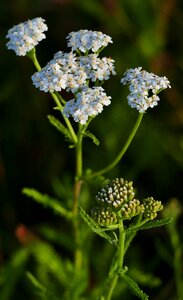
[48, 202]
[133, 286]
[94, 226]
[91, 136]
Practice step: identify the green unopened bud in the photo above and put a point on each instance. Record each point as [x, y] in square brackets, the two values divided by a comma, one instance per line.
[131, 209]
[116, 193]
[104, 216]
[151, 207]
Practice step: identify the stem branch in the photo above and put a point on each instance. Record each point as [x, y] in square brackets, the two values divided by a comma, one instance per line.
[122, 152]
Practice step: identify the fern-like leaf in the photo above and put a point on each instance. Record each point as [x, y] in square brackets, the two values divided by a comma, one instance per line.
[58, 266]
[40, 289]
[151, 224]
[60, 127]
[92, 136]
[133, 286]
[12, 272]
[94, 226]
[47, 201]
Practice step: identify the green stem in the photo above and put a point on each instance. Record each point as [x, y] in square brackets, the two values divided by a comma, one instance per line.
[32, 55]
[122, 152]
[112, 287]
[79, 170]
[77, 190]
[120, 258]
[122, 234]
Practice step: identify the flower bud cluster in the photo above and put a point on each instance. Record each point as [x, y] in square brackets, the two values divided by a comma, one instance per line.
[131, 209]
[151, 207]
[116, 201]
[116, 193]
[104, 216]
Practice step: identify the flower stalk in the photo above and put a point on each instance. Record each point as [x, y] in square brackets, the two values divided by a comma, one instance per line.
[121, 153]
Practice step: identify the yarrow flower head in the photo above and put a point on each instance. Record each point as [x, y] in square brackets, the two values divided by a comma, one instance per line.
[144, 87]
[85, 40]
[97, 68]
[25, 36]
[70, 72]
[62, 72]
[88, 102]
[116, 193]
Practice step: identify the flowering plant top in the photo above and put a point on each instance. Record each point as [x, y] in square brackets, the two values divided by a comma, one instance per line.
[82, 72]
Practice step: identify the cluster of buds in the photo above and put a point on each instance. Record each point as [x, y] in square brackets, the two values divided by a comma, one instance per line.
[116, 193]
[151, 207]
[104, 216]
[132, 209]
[116, 201]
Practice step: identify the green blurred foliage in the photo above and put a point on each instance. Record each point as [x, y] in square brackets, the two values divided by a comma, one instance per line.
[145, 33]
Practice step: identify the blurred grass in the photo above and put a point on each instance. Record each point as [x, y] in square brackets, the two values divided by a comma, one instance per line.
[32, 153]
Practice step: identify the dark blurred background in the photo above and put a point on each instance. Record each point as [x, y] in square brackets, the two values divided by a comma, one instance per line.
[145, 33]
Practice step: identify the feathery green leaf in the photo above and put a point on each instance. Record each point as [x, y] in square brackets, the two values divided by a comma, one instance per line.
[92, 136]
[11, 272]
[60, 127]
[49, 261]
[40, 289]
[94, 226]
[47, 201]
[133, 286]
[151, 224]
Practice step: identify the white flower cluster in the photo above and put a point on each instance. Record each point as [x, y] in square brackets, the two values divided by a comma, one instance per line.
[88, 102]
[71, 72]
[85, 40]
[25, 36]
[97, 68]
[62, 72]
[144, 88]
